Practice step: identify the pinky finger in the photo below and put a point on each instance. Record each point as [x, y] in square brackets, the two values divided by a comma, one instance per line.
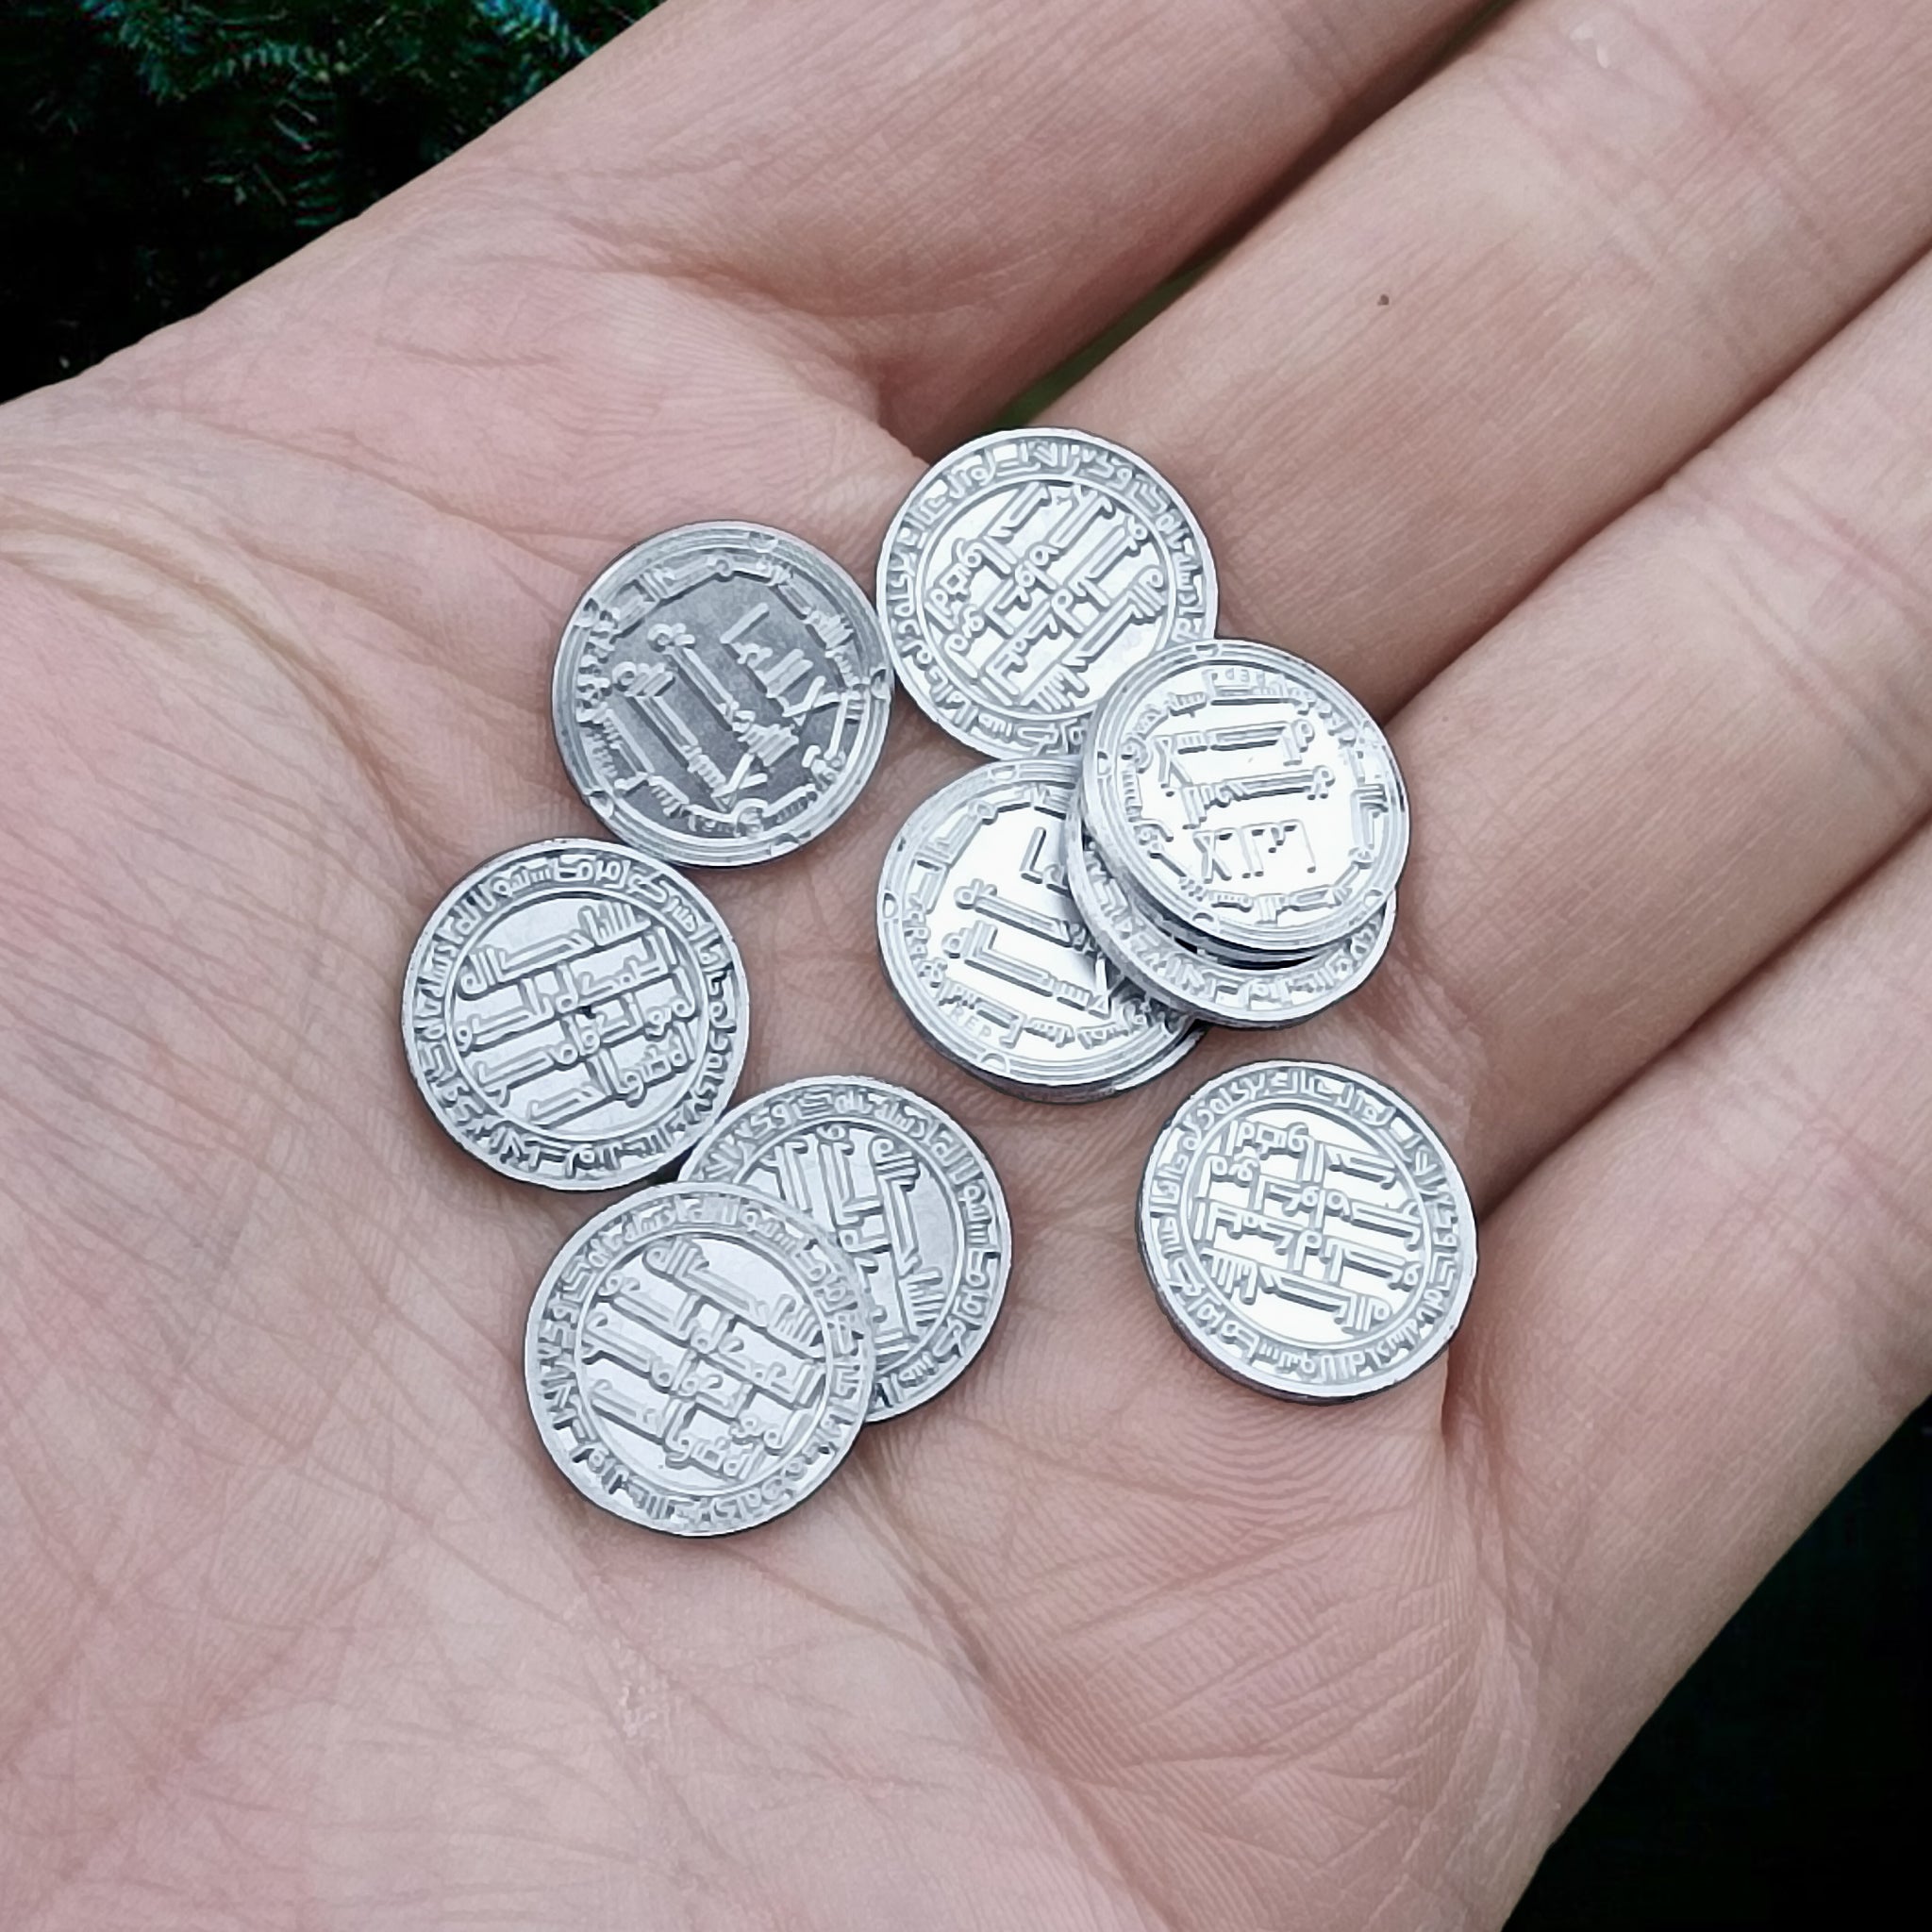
[1707, 1310]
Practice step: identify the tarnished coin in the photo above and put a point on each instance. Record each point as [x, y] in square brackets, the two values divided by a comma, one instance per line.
[1132, 933]
[1246, 792]
[699, 1358]
[1025, 573]
[1306, 1231]
[721, 694]
[575, 1014]
[983, 944]
[905, 1190]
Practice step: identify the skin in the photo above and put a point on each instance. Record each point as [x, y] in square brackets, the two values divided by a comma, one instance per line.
[1577, 413]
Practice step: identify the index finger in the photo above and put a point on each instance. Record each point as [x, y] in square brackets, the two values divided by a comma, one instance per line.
[936, 202]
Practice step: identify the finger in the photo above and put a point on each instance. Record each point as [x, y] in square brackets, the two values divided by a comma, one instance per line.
[1606, 838]
[921, 205]
[1706, 1311]
[1518, 301]
[1710, 723]
[1512, 788]
[681, 285]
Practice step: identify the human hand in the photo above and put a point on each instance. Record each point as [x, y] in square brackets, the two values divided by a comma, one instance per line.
[301, 1627]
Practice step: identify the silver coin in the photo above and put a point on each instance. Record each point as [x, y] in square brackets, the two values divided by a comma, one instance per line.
[575, 1014]
[721, 694]
[1248, 793]
[699, 1358]
[1197, 981]
[1064, 1092]
[982, 941]
[905, 1191]
[1179, 928]
[1305, 1231]
[1025, 573]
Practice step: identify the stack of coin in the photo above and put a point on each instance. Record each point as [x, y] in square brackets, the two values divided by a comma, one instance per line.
[1240, 826]
[1177, 831]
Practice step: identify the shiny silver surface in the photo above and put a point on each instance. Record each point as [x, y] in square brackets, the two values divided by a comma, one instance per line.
[1195, 980]
[721, 694]
[1246, 792]
[983, 944]
[1025, 571]
[905, 1193]
[1065, 1093]
[1306, 1231]
[575, 1014]
[699, 1358]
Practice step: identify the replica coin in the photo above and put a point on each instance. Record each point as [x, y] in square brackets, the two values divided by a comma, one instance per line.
[983, 944]
[905, 1190]
[1195, 980]
[1025, 573]
[1061, 1091]
[1305, 1231]
[1248, 793]
[699, 1358]
[575, 1014]
[721, 694]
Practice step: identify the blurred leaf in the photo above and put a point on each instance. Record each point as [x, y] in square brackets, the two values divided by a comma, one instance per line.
[155, 153]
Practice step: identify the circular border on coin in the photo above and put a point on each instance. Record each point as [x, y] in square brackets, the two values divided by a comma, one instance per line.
[563, 868]
[1137, 1055]
[1009, 458]
[1064, 1094]
[1200, 982]
[1215, 1326]
[1109, 766]
[872, 687]
[980, 1225]
[812, 1264]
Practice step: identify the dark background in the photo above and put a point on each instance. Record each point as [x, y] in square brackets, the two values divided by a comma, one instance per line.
[155, 153]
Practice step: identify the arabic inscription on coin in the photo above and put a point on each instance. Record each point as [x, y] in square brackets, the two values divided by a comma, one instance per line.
[1306, 1231]
[1025, 571]
[983, 944]
[910, 1196]
[721, 694]
[1248, 793]
[1141, 941]
[575, 1014]
[699, 1358]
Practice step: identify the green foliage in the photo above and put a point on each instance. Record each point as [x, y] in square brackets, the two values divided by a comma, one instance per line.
[154, 153]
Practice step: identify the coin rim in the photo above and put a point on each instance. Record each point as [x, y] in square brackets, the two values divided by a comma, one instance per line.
[861, 1328]
[886, 1404]
[1066, 738]
[1106, 817]
[1095, 1084]
[1120, 931]
[1440, 1337]
[630, 1176]
[682, 848]
[1075, 1095]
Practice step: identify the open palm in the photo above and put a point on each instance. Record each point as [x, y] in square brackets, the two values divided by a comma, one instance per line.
[1561, 415]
